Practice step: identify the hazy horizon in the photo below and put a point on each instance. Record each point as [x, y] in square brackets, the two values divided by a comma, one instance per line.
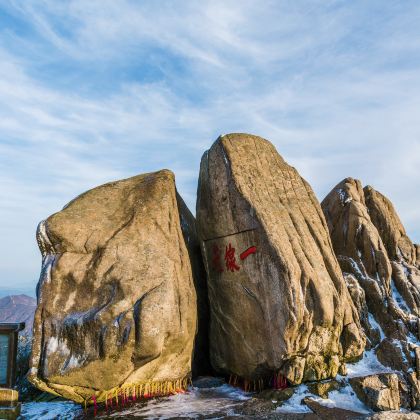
[98, 91]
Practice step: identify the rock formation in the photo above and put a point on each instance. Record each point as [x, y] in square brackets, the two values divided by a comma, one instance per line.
[401, 251]
[386, 220]
[278, 301]
[377, 256]
[116, 311]
[379, 392]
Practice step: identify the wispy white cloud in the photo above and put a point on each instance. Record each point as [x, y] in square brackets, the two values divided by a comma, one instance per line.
[100, 90]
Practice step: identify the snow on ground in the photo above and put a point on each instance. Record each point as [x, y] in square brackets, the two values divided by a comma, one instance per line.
[222, 399]
[344, 398]
[294, 403]
[199, 401]
[65, 410]
[207, 401]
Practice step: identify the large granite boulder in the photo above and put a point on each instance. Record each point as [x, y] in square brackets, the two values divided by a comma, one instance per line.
[278, 300]
[353, 234]
[116, 308]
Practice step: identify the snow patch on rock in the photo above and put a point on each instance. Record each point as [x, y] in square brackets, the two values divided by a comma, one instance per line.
[399, 300]
[344, 398]
[368, 365]
[374, 324]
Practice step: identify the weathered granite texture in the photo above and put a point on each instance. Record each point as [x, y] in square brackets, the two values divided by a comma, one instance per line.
[116, 299]
[376, 254]
[278, 299]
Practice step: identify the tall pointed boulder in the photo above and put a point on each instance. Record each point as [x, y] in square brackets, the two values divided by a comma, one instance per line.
[278, 301]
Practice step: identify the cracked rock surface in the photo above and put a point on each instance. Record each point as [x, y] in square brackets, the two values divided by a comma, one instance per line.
[278, 300]
[116, 297]
[377, 256]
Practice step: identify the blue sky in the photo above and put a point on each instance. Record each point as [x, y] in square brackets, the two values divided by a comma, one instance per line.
[98, 90]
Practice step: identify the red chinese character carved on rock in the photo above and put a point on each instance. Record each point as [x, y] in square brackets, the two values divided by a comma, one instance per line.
[216, 259]
[248, 252]
[230, 259]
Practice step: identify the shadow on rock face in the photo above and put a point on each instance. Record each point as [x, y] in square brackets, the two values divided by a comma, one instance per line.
[116, 298]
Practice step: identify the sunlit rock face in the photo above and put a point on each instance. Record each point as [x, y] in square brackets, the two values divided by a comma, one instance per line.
[401, 251]
[386, 220]
[373, 248]
[278, 300]
[116, 297]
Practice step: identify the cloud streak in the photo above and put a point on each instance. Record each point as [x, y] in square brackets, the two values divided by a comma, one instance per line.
[100, 90]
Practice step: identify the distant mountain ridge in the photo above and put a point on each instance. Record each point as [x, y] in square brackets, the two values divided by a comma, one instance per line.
[10, 291]
[18, 308]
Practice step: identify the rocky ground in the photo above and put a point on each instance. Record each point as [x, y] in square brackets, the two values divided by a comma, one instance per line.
[211, 398]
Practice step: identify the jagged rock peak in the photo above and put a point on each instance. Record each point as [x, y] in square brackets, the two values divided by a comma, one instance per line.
[355, 238]
[376, 254]
[385, 218]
